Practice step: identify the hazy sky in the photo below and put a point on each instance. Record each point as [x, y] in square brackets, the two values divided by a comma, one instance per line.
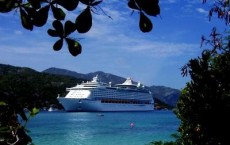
[116, 45]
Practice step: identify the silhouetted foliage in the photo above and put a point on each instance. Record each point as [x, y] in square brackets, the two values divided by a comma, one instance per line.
[205, 101]
[221, 8]
[162, 143]
[35, 13]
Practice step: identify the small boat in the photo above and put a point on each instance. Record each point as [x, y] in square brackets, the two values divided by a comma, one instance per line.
[52, 109]
[100, 114]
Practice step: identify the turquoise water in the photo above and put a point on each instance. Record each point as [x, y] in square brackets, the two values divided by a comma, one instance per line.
[111, 128]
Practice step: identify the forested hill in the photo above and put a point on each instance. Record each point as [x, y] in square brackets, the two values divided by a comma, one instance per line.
[32, 86]
[165, 94]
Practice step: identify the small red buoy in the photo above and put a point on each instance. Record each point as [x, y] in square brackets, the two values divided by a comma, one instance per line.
[132, 124]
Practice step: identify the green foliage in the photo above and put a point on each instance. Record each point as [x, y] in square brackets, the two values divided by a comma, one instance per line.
[147, 7]
[221, 9]
[22, 88]
[35, 13]
[12, 132]
[204, 103]
[31, 88]
[34, 112]
[162, 143]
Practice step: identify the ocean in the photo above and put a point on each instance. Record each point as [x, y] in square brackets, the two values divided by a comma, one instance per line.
[102, 128]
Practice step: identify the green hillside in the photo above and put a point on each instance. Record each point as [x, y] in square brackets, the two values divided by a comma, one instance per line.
[30, 87]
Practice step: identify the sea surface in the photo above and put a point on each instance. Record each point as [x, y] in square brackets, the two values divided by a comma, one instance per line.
[102, 128]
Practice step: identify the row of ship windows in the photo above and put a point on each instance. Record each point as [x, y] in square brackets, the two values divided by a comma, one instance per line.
[126, 97]
[104, 92]
[115, 95]
[125, 101]
[112, 92]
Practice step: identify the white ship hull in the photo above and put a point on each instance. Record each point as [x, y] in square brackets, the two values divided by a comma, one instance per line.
[98, 96]
[78, 105]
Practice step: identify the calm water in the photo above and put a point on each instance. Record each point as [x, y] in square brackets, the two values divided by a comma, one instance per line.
[62, 128]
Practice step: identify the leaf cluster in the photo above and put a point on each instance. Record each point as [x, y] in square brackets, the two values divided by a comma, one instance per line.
[205, 101]
[35, 13]
[147, 7]
[221, 9]
[10, 130]
[162, 143]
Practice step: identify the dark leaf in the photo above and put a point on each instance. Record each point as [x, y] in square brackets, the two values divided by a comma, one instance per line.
[30, 11]
[69, 4]
[58, 13]
[52, 33]
[41, 16]
[153, 12]
[58, 45]
[145, 24]
[69, 27]
[74, 46]
[84, 21]
[7, 5]
[150, 7]
[132, 4]
[26, 20]
[35, 4]
[59, 27]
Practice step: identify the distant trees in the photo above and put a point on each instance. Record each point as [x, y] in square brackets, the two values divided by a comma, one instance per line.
[31, 88]
[22, 88]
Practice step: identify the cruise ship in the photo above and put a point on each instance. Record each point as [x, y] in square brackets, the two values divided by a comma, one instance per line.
[94, 96]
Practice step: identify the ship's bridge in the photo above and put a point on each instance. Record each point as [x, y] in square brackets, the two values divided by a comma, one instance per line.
[79, 94]
[95, 83]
